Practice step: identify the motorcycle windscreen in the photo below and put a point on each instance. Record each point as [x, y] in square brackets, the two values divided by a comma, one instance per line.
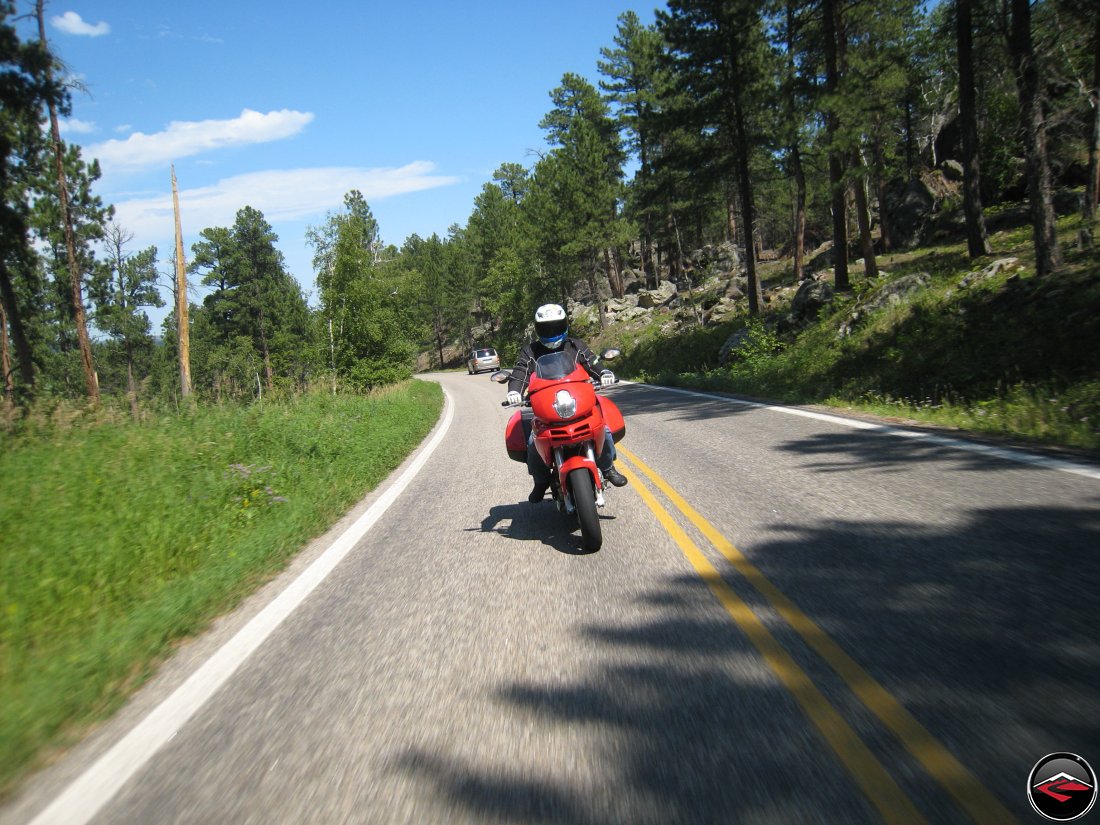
[515, 436]
[555, 365]
[613, 418]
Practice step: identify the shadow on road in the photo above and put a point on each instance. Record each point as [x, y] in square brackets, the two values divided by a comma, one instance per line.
[534, 522]
[985, 631]
[837, 452]
[642, 400]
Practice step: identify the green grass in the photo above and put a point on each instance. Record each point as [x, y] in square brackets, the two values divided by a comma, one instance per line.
[118, 539]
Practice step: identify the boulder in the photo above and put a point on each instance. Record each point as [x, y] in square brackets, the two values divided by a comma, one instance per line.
[720, 312]
[732, 344]
[952, 170]
[616, 305]
[993, 270]
[659, 297]
[890, 294]
[632, 314]
[909, 206]
[896, 291]
[811, 297]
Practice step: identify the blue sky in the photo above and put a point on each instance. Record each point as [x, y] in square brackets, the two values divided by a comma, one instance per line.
[287, 107]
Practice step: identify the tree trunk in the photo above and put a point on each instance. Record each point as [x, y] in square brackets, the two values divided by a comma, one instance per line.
[880, 193]
[799, 175]
[1092, 187]
[438, 324]
[1048, 255]
[91, 380]
[910, 140]
[977, 239]
[731, 215]
[614, 274]
[593, 288]
[836, 167]
[748, 212]
[672, 253]
[863, 219]
[131, 384]
[5, 361]
[648, 263]
[269, 373]
[183, 329]
[23, 355]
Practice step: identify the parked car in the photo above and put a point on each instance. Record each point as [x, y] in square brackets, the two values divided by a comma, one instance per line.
[485, 358]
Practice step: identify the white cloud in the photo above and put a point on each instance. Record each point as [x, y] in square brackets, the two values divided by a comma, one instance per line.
[75, 126]
[185, 138]
[72, 23]
[282, 195]
[123, 127]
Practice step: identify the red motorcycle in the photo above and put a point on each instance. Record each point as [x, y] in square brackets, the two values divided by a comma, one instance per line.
[568, 421]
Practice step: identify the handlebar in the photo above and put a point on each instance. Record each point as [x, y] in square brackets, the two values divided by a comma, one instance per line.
[597, 385]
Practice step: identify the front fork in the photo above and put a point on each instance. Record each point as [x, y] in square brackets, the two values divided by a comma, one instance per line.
[565, 502]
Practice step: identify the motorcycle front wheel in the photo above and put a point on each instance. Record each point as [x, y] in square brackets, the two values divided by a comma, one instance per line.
[584, 500]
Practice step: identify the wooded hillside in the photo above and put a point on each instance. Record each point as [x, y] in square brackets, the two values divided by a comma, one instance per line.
[777, 127]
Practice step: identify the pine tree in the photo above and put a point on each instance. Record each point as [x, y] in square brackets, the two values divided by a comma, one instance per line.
[119, 290]
[721, 60]
[1048, 255]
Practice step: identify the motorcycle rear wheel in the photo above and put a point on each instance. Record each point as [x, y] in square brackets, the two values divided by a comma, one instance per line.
[584, 500]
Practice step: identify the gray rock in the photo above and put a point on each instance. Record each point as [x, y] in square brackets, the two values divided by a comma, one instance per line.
[890, 294]
[720, 312]
[621, 304]
[810, 298]
[909, 207]
[952, 170]
[659, 297]
[732, 344]
[896, 291]
[632, 314]
[993, 270]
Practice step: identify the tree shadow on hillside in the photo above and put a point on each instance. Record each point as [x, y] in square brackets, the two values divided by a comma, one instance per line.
[984, 631]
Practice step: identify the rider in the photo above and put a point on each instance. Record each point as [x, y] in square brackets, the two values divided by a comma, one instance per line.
[552, 335]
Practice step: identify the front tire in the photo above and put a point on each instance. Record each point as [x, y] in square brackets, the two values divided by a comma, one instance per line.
[584, 501]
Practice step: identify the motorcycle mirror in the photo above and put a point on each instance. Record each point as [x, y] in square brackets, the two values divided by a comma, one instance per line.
[500, 376]
[609, 354]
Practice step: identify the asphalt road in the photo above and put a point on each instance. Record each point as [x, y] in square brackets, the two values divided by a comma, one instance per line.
[856, 627]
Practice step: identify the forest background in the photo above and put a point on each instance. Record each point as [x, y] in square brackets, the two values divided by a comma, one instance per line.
[776, 126]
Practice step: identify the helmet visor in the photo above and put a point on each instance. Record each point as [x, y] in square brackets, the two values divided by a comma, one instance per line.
[548, 330]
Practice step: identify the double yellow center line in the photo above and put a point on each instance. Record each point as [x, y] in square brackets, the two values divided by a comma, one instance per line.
[880, 788]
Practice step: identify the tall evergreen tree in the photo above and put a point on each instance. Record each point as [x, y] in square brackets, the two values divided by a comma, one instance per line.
[977, 239]
[589, 175]
[256, 310]
[25, 86]
[1048, 254]
[632, 71]
[120, 289]
[721, 58]
[76, 271]
[371, 318]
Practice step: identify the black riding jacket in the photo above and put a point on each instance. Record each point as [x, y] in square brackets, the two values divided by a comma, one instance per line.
[525, 363]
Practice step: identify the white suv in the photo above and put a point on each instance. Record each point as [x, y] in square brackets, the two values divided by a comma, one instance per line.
[485, 358]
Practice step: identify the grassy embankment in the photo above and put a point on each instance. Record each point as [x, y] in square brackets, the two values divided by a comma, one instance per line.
[1012, 356]
[117, 539]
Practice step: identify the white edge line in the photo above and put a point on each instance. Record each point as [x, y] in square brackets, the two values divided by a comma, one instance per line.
[87, 794]
[1006, 453]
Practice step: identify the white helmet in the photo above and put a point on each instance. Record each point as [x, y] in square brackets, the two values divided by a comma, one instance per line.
[551, 325]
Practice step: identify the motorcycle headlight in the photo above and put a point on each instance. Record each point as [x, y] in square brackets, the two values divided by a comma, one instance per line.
[565, 405]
